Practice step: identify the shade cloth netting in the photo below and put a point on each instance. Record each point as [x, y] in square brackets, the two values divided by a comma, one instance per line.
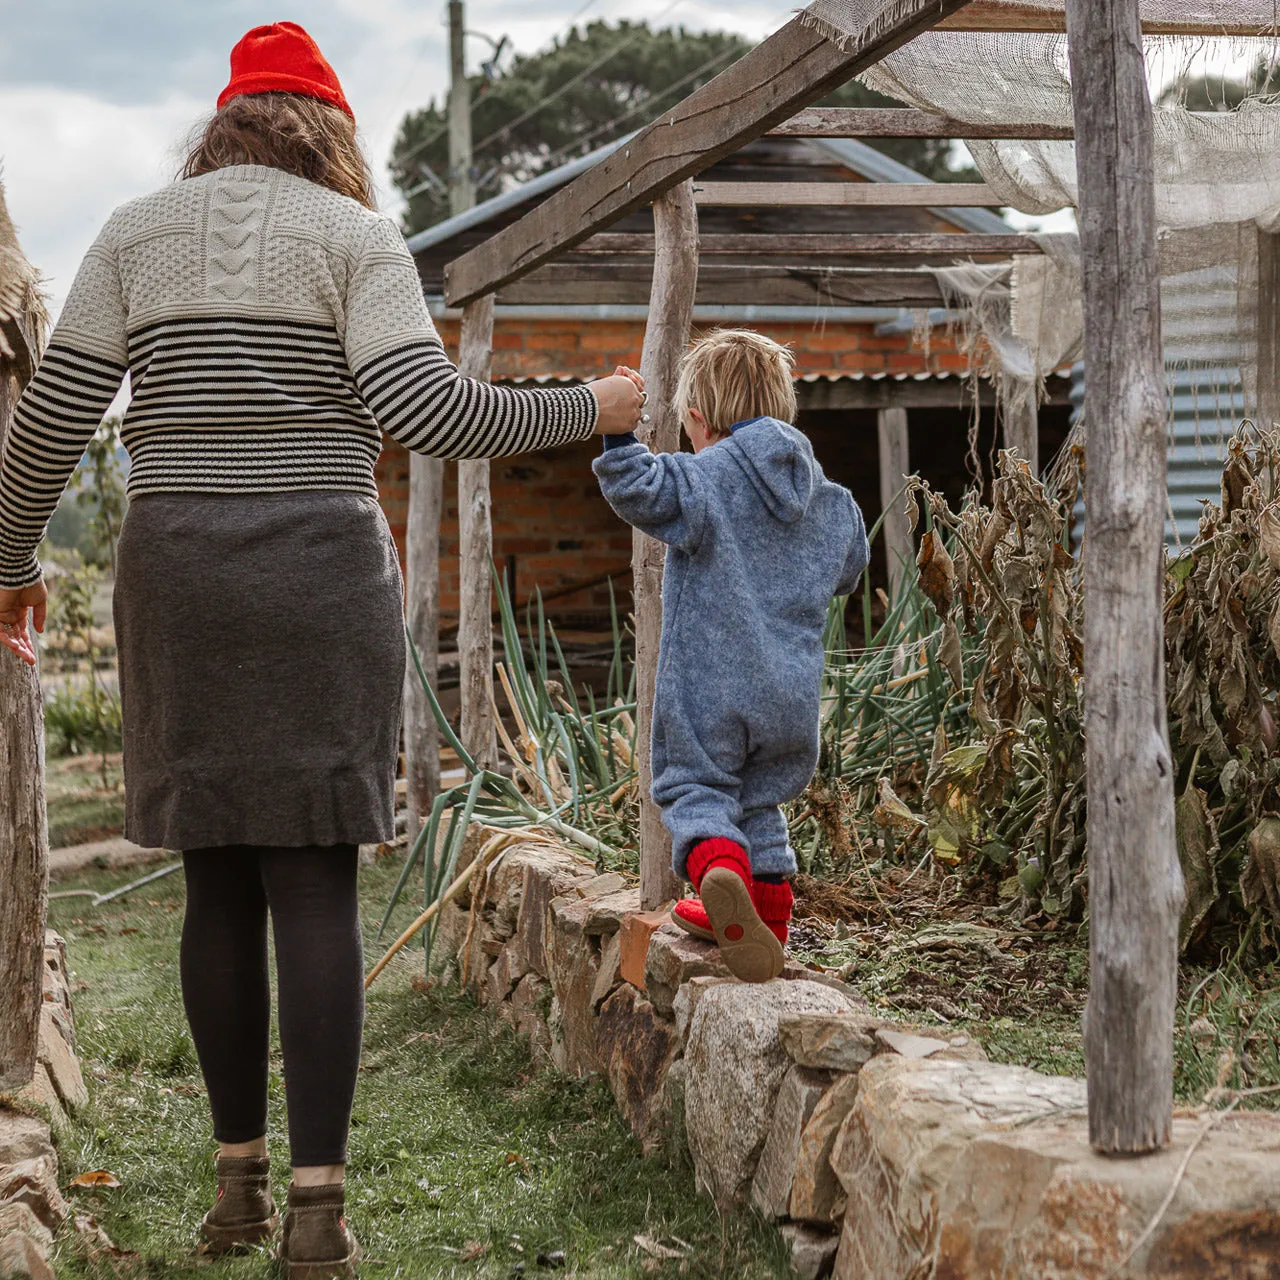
[1217, 182]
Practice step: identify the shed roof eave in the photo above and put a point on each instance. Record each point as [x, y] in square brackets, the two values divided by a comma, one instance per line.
[481, 213]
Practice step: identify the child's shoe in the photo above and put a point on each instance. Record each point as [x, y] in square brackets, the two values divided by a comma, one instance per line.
[244, 1213]
[317, 1243]
[721, 873]
[773, 905]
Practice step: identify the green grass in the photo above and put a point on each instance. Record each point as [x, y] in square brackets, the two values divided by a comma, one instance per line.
[458, 1135]
[81, 810]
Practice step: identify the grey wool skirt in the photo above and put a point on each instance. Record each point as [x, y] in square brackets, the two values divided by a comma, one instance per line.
[262, 657]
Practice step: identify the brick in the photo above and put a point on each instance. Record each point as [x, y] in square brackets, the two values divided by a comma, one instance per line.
[566, 341]
[636, 931]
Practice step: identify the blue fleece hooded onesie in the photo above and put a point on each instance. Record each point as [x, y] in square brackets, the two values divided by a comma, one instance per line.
[758, 541]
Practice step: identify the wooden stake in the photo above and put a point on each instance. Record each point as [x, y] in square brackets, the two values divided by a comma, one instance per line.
[422, 613]
[24, 843]
[1268, 407]
[1135, 885]
[1021, 419]
[475, 558]
[675, 280]
[895, 466]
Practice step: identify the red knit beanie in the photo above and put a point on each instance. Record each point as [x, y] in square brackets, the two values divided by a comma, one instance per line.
[282, 58]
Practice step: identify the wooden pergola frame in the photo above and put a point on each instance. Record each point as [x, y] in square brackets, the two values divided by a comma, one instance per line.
[1135, 883]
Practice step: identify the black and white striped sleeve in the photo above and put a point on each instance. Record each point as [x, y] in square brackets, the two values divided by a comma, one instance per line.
[415, 391]
[59, 411]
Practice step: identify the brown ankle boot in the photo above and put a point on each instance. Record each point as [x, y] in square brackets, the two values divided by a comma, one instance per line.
[244, 1213]
[317, 1243]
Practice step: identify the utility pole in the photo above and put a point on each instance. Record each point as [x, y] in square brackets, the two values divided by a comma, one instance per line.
[462, 192]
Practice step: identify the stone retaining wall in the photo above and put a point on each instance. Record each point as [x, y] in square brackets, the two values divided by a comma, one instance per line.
[32, 1208]
[884, 1153]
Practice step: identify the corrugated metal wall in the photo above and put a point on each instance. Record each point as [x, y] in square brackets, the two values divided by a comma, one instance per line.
[1206, 393]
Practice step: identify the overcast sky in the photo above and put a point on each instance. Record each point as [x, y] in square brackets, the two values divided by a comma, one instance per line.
[96, 98]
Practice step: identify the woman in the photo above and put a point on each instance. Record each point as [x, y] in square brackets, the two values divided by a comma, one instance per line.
[271, 323]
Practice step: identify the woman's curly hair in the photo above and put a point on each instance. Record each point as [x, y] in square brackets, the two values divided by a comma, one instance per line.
[288, 131]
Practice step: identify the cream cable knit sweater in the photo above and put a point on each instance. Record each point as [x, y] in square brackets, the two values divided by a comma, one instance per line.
[270, 327]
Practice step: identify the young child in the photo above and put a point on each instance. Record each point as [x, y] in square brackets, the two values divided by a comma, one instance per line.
[758, 541]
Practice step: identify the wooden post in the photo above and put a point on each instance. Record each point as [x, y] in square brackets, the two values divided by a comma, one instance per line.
[894, 467]
[24, 842]
[675, 280]
[1268, 407]
[475, 558]
[1135, 884]
[422, 612]
[1021, 419]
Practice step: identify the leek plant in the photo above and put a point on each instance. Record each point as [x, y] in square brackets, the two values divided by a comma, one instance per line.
[572, 760]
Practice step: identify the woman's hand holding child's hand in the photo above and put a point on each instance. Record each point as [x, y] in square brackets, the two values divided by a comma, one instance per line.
[619, 400]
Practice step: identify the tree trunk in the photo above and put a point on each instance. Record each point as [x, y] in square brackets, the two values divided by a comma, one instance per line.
[24, 847]
[675, 280]
[422, 611]
[1135, 884]
[895, 466]
[475, 558]
[1021, 417]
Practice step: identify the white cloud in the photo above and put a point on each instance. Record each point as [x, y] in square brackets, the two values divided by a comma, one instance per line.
[94, 112]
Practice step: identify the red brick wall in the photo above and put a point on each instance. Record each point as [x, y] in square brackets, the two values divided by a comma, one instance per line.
[547, 510]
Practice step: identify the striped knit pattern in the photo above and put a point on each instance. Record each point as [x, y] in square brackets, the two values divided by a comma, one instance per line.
[272, 330]
[54, 420]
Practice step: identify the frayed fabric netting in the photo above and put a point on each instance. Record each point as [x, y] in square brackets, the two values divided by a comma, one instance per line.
[1217, 187]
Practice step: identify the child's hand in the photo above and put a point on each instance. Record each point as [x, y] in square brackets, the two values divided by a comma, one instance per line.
[619, 401]
[623, 372]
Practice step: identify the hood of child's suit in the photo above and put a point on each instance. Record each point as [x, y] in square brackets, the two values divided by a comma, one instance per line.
[779, 461]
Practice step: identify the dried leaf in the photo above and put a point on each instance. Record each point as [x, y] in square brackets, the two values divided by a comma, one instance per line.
[1260, 880]
[937, 572]
[472, 1251]
[1269, 534]
[1235, 479]
[997, 526]
[952, 658]
[1197, 849]
[890, 811]
[97, 1178]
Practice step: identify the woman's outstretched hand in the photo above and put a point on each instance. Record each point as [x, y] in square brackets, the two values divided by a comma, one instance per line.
[619, 401]
[15, 604]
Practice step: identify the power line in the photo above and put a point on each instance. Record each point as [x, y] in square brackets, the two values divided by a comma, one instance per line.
[506, 129]
[583, 138]
[419, 147]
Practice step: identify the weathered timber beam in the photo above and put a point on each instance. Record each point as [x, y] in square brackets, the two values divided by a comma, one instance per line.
[590, 284]
[806, 245]
[475, 556]
[843, 394]
[902, 122]
[792, 68]
[666, 335]
[1135, 884]
[422, 617]
[1158, 17]
[895, 466]
[865, 194]
[24, 829]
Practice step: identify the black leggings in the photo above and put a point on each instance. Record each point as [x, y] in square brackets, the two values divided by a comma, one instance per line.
[311, 895]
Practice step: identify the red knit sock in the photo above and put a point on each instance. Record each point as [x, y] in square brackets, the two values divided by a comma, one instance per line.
[718, 852]
[773, 903]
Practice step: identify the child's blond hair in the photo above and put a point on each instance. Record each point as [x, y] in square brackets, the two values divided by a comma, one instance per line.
[732, 375]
